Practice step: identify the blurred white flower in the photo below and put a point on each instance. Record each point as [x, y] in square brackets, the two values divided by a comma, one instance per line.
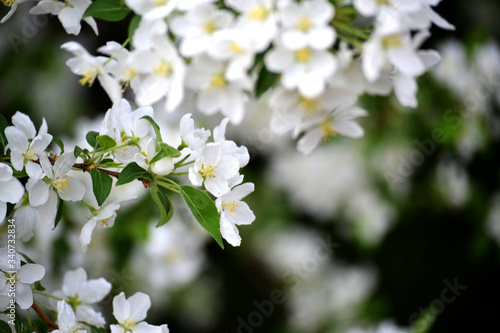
[11, 190]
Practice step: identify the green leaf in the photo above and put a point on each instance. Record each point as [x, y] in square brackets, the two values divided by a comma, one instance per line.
[94, 329]
[132, 172]
[77, 151]
[134, 24]
[265, 81]
[106, 142]
[165, 150]
[4, 327]
[92, 139]
[3, 138]
[58, 142]
[108, 10]
[60, 204]
[101, 185]
[160, 197]
[40, 326]
[204, 210]
[18, 323]
[155, 127]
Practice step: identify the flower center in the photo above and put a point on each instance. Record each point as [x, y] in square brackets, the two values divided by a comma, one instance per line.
[304, 24]
[303, 55]
[382, 2]
[128, 324]
[327, 130]
[310, 106]
[29, 155]
[128, 74]
[208, 171]
[209, 27]
[217, 81]
[231, 206]
[160, 3]
[236, 48]
[8, 3]
[88, 77]
[163, 68]
[62, 184]
[104, 223]
[259, 13]
[392, 41]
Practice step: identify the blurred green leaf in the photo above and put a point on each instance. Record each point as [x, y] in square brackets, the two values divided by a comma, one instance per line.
[4, 327]
[265, 81]
[40, 326]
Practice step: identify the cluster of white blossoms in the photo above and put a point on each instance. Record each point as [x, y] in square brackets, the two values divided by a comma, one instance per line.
[308, 53]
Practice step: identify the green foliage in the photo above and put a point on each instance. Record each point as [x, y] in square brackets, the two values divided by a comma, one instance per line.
[77, 151]
[3, 138]
[60, 204]
[101, 185]
[108, 10]
[165, 150]
[105, 142]
[134, 24]
[155, 127]
[58, 142]
[132, 172]
[91, 138]
[4, 327]
[40, 326]
[265, 81]
[204, 210]
[160, 197]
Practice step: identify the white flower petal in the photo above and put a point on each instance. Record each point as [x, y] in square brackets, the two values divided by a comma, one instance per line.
[30, 273]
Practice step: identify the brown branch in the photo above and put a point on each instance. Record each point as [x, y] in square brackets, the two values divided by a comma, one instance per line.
[44, 317]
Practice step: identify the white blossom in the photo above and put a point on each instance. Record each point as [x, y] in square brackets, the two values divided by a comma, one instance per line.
[130, 314]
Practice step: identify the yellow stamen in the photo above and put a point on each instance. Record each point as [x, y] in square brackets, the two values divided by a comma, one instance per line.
[160, 3]
[163, 68]
[258, 14]
[104, 223]
[29, 155]
[8, 3]
[207, 171]
[304, 24]
[392, 41]
[303, 55]
[128, 74]
[209, 27]
[62, 184]
[88, 77]
[231, 206]
[328, 131]
[236, 48]
[310, 106]
[217, 81]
